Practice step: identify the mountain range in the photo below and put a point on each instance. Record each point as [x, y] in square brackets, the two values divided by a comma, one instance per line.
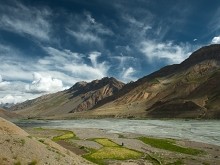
[186, 90]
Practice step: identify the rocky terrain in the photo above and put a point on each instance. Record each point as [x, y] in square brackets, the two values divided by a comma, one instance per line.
[186, 90]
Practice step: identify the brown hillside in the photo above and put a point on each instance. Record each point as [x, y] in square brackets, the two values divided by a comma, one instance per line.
[81, 97]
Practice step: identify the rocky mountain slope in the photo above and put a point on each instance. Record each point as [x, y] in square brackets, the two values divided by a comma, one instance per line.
[80, 97]
[17, 147]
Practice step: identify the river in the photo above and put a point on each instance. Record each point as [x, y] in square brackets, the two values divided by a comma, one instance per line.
[207, 131]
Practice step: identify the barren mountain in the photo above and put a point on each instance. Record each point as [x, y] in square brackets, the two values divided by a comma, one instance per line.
[80, 97]
[187, 90]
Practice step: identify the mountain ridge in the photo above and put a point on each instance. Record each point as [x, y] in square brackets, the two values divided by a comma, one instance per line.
[81, 96]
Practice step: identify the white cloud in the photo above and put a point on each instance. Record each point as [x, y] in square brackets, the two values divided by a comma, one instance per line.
[93, 57]
[88, 72]
[11, 99]
[167, 51]
[44, 84]
[75, 65]
[17, 71]
[85, 36]
[25, 20]
[128, 74]
[216, 40]
[60, 56]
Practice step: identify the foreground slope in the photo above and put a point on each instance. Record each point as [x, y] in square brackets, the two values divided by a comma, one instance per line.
[19, 148]
[187, 90]
[80, 97]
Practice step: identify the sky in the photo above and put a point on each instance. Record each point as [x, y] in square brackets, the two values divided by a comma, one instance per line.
[48, 45]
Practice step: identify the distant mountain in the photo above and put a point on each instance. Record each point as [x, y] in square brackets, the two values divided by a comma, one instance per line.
[187, 90]
[6, 105]
[80, 97]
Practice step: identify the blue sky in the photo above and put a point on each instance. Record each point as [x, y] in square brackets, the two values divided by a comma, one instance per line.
[48, 45]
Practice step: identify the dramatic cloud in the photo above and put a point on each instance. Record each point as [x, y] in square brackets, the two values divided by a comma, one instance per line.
[18, 18]
[46, 46]
[57, 71]
[75, 65]
[44, 84]
[216, 40]
[87, 72]
[164, 51]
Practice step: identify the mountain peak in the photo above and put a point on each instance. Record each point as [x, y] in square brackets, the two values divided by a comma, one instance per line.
[211, 52]
[94, 91]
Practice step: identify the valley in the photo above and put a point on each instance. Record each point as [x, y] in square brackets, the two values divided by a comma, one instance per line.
[109, 145]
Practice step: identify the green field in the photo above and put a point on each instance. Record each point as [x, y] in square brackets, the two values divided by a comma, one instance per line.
[169, 145]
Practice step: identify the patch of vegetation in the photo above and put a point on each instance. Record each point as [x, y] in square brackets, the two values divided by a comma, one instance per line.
[67, 135]
[34, 162]
[106, 142]
[169, 145]
[41, 140]
[115, 153]
[111, 150]
[56, 134]
[82, 147]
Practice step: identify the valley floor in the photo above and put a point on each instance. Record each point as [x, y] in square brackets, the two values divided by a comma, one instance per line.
[102, 147]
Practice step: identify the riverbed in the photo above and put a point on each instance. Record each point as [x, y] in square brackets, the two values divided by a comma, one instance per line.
[206, 131]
